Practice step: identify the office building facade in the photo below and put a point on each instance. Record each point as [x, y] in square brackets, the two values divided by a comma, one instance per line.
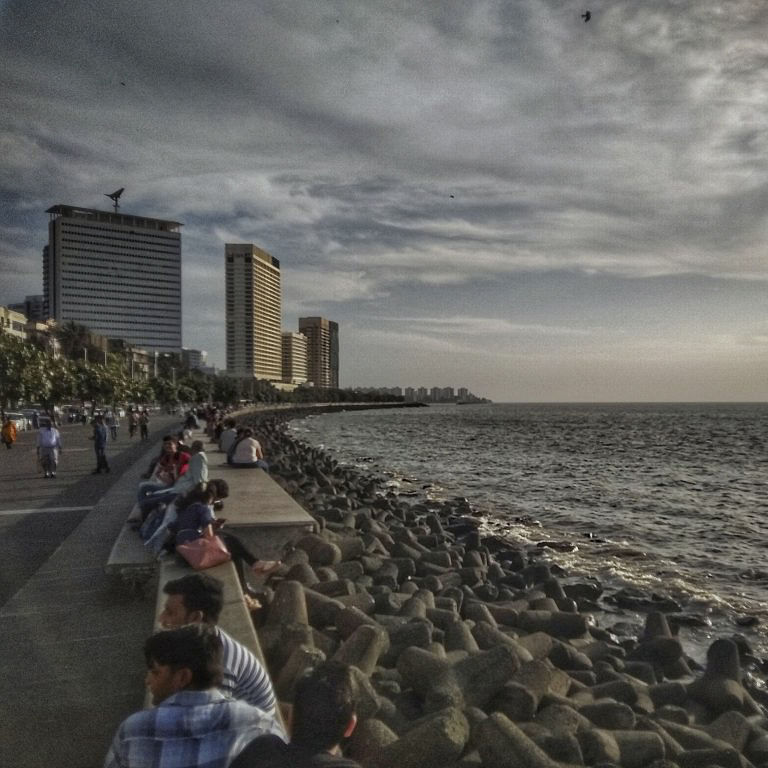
[294, 357]
[253, 313]
[322, 351]
[33, 307]
[194, 359]
[117, 274]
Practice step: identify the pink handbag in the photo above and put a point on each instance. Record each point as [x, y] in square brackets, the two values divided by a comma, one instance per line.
[204, 552]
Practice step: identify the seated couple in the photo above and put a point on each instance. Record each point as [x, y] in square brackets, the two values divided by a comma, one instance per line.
[192, 517]
[245, 451]
[174, 473]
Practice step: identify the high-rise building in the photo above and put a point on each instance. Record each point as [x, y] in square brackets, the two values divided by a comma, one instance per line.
[254, 313]
[33, 307]
[333, 330]
[117, 274]
[194, 359]
[294, 357]
[322, 351]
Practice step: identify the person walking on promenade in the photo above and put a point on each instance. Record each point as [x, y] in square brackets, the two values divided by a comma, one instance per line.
[48, 448]
[133, 422]
[113, 423]
[9, 433]
[144, 424]
[99, 438]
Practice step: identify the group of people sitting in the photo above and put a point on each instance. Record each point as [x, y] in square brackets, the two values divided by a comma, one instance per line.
[178, 503]
[215, 705]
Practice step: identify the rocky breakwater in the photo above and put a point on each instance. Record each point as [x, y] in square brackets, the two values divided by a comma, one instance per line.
[468, 652]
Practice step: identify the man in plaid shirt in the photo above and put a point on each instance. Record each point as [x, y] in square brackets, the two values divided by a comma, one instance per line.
[193, 725]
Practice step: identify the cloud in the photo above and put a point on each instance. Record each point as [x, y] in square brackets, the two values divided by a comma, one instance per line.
[402, 158]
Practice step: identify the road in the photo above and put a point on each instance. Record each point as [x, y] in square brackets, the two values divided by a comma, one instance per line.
[37, 514]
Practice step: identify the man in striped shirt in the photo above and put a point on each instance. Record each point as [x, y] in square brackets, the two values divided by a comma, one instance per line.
[198, 599]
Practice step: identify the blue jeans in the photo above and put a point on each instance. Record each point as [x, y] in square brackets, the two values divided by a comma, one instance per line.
[152, 494]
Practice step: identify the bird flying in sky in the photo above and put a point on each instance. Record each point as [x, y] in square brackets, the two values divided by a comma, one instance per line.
[587, 15]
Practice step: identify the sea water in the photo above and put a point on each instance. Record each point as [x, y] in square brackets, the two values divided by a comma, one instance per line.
[669, 498]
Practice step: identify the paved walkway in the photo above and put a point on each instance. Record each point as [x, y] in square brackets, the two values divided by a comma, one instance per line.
[71, 666]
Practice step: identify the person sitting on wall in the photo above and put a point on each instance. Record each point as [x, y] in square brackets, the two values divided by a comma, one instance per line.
[152, 495]
[193, 724]
[199, 599]
[195, 519]
[323, 715]
[228, 436]
[246, 452]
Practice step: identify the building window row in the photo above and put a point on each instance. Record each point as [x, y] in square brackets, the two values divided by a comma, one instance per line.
[91, 229]
[78, 291]
[147, 254]
[131, 241]
[91, 276]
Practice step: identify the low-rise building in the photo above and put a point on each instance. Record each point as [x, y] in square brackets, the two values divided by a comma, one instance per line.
[13, 323]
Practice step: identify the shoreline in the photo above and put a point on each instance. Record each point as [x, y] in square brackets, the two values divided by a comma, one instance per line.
[475, 587]
[634, 567]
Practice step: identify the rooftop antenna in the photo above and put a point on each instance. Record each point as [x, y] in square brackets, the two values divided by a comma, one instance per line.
[115, 196]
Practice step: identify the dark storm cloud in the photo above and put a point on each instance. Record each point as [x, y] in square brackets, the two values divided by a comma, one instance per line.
[382, 149]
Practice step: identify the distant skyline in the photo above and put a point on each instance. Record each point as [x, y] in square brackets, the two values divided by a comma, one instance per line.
[490, 193]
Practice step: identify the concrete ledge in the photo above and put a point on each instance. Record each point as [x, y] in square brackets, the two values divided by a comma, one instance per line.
[259, 512]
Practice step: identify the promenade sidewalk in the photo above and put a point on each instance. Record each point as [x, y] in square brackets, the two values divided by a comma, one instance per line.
[71, 666]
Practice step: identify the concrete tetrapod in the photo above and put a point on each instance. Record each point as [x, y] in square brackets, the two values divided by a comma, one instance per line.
[503, 745]
[471, 681]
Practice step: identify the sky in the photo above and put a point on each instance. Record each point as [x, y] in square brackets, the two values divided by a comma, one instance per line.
[491, 194]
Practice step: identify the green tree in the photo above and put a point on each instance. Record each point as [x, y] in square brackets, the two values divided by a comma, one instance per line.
[225, 390]
[73, 339]
[21, 369]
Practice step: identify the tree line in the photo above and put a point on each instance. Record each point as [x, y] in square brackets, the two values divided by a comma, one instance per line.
[31, 373]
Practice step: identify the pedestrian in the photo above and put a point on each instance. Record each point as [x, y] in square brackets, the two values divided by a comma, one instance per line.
[48, 448]
[99, 438]
[113, 422]
[35, 420]
[144, 424]
[133, 422]
[9, 433]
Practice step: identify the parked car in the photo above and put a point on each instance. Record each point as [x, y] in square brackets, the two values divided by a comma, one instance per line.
[20, 420]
